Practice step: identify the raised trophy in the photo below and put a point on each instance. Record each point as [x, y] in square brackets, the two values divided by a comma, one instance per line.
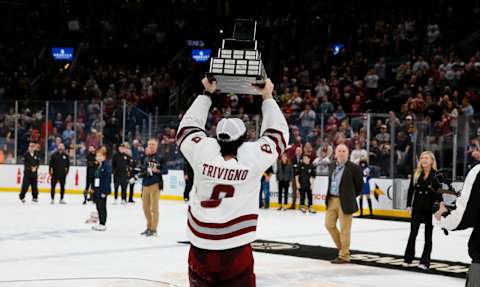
[238, 67]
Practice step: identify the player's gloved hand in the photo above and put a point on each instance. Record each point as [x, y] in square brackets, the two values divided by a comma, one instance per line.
[441, 210]
[267, 91]
[210, 87]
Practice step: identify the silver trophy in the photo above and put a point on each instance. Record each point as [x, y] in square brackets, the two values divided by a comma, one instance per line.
[238, 68]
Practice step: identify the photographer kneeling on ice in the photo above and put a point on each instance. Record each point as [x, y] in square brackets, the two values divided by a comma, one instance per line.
[466, 214]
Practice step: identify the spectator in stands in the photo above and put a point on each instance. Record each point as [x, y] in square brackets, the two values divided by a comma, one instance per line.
[467, 109]
[381, 69]
[326, 107]
[358, 154]
[59, 123]
[383, 136]
[68, 135]
[322, 89]
[323, 160]
[371, 82]
[307, 118]
[420, 65]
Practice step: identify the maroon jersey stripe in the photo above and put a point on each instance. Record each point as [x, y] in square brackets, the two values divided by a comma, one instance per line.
[225, 224]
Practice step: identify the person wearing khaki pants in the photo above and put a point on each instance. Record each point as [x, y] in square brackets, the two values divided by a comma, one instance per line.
[152, 185]
[150, 197]
[345, 184]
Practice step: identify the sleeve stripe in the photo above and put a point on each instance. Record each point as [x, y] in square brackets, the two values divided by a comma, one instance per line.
[277, 132]
[185, 132]
[277, 138]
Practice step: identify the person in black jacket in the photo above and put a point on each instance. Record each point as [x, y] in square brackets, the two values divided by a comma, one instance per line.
[131, 174]
[92, 165]
[284, 177]
[121, 164]
[467, 215]
[101, 187]
[31, 163]
[304, 178]
[58, 170]
[297, 159]
[152, 182]
[345, 184]
[420, 201]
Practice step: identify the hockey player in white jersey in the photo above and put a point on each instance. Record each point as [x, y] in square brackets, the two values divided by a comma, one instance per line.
[223, 206]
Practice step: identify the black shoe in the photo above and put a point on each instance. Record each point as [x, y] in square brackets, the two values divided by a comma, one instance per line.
[35, 200]
[151, 233]
[84, 202]
[22, 200]
[311, 210]
[339, 260]
[145, 232]
[131, 201]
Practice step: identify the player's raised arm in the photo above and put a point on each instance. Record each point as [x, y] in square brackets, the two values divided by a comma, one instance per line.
[192, 126]
[274, 124]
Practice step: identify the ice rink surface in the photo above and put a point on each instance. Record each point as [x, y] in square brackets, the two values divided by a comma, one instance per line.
[43, 245]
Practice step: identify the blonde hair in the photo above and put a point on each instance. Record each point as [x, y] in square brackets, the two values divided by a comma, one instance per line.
[419, 168]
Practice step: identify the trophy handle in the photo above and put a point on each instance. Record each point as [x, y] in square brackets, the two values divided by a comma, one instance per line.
[259, 82]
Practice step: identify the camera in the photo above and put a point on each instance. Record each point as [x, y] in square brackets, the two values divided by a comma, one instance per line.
[449, 194]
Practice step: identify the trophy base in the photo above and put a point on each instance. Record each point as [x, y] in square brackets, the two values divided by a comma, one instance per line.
[237, 84]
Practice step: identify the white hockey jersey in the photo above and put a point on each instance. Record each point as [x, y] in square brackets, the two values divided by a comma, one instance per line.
[223, 207]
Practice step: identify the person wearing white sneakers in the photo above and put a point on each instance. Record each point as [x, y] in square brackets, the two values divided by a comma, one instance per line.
[102, 187]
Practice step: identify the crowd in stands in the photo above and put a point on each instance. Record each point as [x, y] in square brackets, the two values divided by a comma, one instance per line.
[399, 68]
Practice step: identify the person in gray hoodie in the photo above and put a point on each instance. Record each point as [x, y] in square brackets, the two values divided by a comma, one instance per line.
[284, 177]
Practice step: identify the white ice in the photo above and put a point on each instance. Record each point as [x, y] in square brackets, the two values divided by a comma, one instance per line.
[50, 245]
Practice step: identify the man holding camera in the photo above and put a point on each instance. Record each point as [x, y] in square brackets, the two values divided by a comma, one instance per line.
[92, 166]
[466, 215]
[152, 185]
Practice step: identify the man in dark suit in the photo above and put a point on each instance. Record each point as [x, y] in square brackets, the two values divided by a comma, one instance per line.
[345, 182]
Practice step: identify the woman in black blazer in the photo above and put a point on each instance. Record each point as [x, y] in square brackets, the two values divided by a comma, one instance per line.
[420, 201]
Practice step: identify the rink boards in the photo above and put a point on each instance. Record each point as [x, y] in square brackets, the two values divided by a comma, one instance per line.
[391, 200]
